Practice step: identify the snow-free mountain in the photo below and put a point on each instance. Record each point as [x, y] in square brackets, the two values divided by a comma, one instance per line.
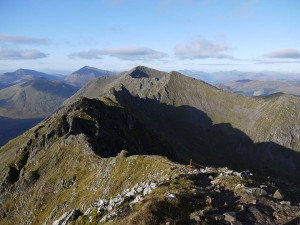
[23, 75]
[261, 88]
[85, 75]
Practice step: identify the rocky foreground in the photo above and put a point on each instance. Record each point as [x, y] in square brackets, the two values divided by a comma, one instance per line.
[196, 196]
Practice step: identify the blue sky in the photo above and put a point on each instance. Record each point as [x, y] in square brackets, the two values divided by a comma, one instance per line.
[207, 35]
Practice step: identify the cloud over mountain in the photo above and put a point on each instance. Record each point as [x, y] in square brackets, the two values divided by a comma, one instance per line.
[201, 49]
[284, 53]
[16, 54]
[129, 53]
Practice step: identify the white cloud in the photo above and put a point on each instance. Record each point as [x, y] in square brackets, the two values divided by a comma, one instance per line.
[130, 53]
[201, 49]
[6, 38]
[13, 54]
[284, 53]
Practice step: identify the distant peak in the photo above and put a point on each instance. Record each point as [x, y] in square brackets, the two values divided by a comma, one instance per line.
[145, 72]
[89, 69]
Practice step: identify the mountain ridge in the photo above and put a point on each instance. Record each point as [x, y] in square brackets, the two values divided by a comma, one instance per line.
[22, 75]
[111, 155]
[257, 120]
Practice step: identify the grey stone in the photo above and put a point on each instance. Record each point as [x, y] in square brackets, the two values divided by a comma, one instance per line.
[147, 190]
[208, 200]
[123, 153]
[153, 185]
[230, 216]
[67, 217]
[109, 208]
[139, 189]
[277, 195]
[88, 211]
[137, 199]
[240, 207]
[170, 195]
[195, 216]
[285, 203]
[131, 193]
[239, 186]
[256, 191]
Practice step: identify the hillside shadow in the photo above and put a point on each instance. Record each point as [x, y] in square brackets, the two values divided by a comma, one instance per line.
[188, 133]
[11, 128]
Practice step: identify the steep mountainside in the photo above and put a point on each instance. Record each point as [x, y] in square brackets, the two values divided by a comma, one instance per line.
[85, 75]
[23, 75]
[99, 160]
[24, 105]
[261, 88]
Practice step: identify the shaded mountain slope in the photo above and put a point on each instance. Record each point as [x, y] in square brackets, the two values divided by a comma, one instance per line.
[261, 88]
[10, 128]
[85, 75]
[24, 105]
[272, 118]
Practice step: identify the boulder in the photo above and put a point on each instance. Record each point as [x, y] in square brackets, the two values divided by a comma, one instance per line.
[170, 195]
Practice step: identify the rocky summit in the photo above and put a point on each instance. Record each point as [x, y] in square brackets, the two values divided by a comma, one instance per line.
[118, 151]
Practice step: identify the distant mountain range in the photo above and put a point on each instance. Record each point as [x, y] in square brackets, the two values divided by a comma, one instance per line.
[28, 96]
[261, 88]
[85, 75]
[228, 76]
[23, 75]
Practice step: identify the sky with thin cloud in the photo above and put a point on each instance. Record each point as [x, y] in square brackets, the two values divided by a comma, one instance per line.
[206, 35]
